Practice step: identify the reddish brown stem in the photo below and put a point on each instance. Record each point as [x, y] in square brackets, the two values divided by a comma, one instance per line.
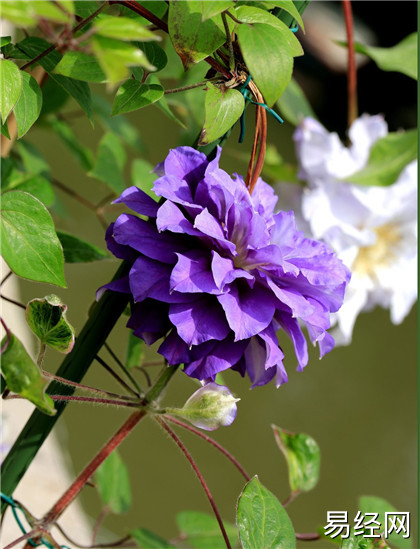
[9, 300]
[86, 474]
[213, 442]
[307, 537]
[351, 70]
[200, 477]
[95, 400]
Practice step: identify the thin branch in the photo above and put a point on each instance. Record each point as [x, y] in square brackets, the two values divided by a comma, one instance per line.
[9, 274]
[116, 376]
[190, 87]
[229, 43]
[93, 400]
[351, 70]
[213, 442]
[104, 513]
[307, 537]
[41, 355]
[74, 30]
[118, 543]
[21, 305]
[74, 194]
[290, 498]
[21, 538]
[200, 477]
[123, 367]
[232, 17]
[8, 333]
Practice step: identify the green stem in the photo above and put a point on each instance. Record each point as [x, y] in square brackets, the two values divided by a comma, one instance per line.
[41, 355]
[101, 321]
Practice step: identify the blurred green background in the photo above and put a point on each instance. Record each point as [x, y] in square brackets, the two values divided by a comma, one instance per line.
[359, 402]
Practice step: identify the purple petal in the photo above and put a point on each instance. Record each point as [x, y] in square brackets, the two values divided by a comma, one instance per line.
[143, 237]
[121, 286]
[199, 321]
[209, 226]
[216, 357]
[247, 312]
[255, 357]
[225, 272]
[291, 297]
[174, 349]
[186, 163]
[139, 201]
[120, 251]
[149, 320]
[170, 218]
[264, 199]
[192, 274]
[293, 330]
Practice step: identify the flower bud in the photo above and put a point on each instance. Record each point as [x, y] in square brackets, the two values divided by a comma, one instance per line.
[209, 407]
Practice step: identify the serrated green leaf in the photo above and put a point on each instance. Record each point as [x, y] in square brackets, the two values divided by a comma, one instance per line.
[118, 125]
[77, 250]
[259, 41]
[289, 6]
[113, 483]
[29, 104]
[29, 244]
[154, 53]
[223, 108]
[80, 66]
[83, 155]
[293, 105]
[251, 14]
[135, 351]
[192, 38]
[115, 57]
[134, 95]
[110, 162]
[373, 504]
[261, 519]
[122, 28]
[202, 530]
[37, 185]
[210, 8]
[23, 376]
[11, 84]
[4, 40]
[400, 58]
[303, 458]
[388, 157]
[80, 91]
[148, 540]
[46, 317]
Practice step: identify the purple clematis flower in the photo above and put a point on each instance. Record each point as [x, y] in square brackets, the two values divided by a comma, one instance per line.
[216, 273]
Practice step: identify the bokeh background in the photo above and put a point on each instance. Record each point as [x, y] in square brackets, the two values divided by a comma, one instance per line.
[359, 402]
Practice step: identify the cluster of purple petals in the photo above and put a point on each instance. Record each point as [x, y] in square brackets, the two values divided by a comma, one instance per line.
[216, 273]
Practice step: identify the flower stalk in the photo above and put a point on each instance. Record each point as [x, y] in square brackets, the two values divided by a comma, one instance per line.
[351, 70]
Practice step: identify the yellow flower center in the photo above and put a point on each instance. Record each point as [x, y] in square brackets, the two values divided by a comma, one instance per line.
[379, 254]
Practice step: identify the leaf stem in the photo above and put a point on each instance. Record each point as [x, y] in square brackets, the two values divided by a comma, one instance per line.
[41, 355]
[307, 537]
[213, 442]
[74, 30]
[94, 400]
[351, 69]
[290, 498]
[200, 477]
[8, 333]
[116, 376]
[229, 43]
[123, 368]
[9, 274]
[17, 303]
[190, 87]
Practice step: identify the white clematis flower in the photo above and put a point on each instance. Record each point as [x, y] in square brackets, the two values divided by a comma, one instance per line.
[372, 229]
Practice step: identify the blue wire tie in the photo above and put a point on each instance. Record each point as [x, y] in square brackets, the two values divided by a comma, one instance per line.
[295, 28]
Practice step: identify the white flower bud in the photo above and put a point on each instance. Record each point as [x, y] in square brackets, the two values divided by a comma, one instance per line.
[209, 407]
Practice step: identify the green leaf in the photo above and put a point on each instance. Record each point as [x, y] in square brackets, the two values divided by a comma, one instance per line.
[163, 104]
[142, 176]
[157, 7]
[32, 159]
[400, 58]
[223, 108]
[46, 9]
[110, 162]
[29, 244]
[4, 40]
[115, 57]
[29, 104]
[293, 105]
[67, 5]
[358, 542]
[250, 14]
[36, 185]
[134, 95]
[80, 66]
[5, 130]
[118, 125]
[83, 155]
[192, 38]
[123, 28]
[303, 458]
[11, 84]
[202, 531]
[84, 8]
[20, 13]
[46, 317]
[154, 53]
[148, 540]
[23, 376]
[80, 91]
[276, 169]
[259, 41]
[388, 157]
[210, 8]
[261, 519]
[77, 250]
[114, 483]
[54, 97]
[289, 6]
[135, 351]
[373, 504]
